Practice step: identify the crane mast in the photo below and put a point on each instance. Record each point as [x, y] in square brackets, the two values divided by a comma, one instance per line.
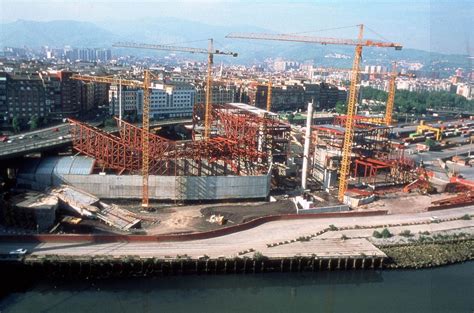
[349, 131]
[391, 95]
[145, 138]
[145, 85]
[208, 109]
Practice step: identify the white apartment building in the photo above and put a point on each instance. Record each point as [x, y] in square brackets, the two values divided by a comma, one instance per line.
[465, 90]
[166, 101]
[129, 100]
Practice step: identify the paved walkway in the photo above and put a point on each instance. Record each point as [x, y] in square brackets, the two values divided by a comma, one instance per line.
[256, 238]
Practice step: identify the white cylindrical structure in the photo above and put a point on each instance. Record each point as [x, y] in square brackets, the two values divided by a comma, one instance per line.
[120, 100]
[307, 141]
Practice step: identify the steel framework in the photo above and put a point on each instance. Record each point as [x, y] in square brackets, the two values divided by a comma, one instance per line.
[243, 144]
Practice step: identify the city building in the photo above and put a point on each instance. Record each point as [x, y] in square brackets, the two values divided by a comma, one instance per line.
[220, 94]
[88, 54]
[282, 65]
[47, 94]
[166, 100]
[296, 97]
[25, 96]
[465, 90]
[3, 97]
[71, 95]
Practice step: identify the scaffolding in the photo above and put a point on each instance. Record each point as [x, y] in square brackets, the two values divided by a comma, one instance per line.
[375, 159]
[241, 142]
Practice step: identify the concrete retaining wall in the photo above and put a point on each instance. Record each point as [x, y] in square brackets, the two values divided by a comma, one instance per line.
[169, 187]
[329, 209]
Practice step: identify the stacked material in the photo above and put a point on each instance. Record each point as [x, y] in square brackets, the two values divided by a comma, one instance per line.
[117, 217]
[87, 205]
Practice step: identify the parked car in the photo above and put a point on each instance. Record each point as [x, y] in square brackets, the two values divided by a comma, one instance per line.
[20, 251]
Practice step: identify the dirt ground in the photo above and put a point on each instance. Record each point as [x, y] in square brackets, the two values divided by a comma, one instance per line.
[400, 202]
[175, 218]
[244, 213]
[192, 218]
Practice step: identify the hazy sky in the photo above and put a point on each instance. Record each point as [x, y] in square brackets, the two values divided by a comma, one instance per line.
[432, 25]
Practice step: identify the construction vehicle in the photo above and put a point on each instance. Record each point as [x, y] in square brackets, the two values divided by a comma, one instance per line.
[425, 127]
[359, 43]
[210, 61]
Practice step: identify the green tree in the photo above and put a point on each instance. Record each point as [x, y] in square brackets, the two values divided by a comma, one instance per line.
[430, 142]
[418, 102]
[34, 122]
[341, 107]
[110, 122]
[16, 124]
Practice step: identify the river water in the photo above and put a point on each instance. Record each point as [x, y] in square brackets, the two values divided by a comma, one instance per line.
[445, 289]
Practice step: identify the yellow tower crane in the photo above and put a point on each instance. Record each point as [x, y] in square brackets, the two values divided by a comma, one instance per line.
[210, 61]
[145, 85]
[391, 95]
[358, 43]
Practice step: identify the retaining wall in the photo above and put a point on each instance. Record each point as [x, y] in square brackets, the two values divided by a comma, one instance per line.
[160, 187]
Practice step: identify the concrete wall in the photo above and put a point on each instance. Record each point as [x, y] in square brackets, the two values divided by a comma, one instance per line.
[171, 187]
[329, 209]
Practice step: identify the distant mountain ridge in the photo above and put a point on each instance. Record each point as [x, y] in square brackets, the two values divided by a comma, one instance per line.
[167, 30]
[55, 33]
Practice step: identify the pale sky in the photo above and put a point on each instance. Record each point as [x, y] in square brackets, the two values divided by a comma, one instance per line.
[432, 25]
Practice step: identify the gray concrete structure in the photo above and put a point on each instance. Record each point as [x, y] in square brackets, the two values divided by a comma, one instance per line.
[173, 187]
[77, 172]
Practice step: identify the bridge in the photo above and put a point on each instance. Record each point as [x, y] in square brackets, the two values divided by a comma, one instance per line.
[54, 138]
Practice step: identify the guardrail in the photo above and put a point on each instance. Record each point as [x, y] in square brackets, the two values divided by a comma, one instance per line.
[34, 146]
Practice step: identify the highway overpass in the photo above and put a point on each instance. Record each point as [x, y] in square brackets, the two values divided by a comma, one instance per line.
[54, 138]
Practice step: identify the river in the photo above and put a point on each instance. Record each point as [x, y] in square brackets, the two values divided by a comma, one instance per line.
[444, 289]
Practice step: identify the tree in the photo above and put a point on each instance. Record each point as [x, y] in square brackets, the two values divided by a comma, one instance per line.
[110, 122]
[341, 107]
[418, 102]
[430, 142]
[16, 124]
[34, 122]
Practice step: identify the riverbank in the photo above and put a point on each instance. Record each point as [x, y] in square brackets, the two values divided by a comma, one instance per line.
[397, 256]
[429, 254]
[326, 243]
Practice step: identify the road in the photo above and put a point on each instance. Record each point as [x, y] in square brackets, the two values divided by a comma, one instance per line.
[35, 141]
[54, 137]
[256, 238]
[446, 153]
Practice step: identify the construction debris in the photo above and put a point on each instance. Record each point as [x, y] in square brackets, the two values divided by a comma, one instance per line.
[89, 206]
[217, 219]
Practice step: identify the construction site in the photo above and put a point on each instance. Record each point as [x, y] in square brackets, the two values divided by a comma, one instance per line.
[239, 162]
